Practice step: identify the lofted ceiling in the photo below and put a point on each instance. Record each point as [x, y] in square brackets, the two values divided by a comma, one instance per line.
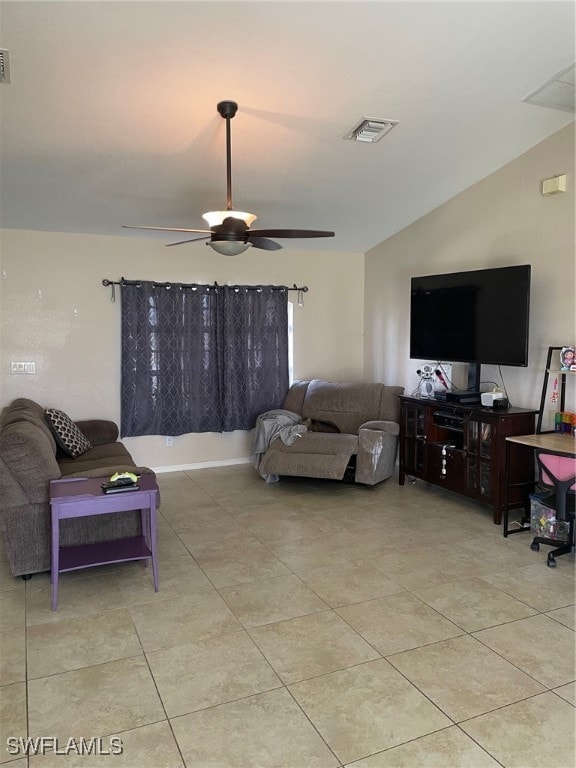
[110, 116]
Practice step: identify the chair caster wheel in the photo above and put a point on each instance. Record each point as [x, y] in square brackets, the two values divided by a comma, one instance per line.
[535, 547]
[551, 562]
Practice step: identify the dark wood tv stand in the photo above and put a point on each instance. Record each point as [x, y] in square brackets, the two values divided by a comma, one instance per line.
[463, 448]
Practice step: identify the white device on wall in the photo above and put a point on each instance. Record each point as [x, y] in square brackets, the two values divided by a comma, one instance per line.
[488, 398]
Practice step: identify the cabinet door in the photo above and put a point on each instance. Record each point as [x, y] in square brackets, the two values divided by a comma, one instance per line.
[446, 467]
[414, 420]
[480, 436]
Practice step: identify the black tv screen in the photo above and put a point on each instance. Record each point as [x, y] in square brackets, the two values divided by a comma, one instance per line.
[481, 316]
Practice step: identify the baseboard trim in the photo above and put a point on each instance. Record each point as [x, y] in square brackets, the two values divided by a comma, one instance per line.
[201, 465]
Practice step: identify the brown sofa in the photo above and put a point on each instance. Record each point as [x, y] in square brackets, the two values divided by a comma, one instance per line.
[29, 460]
[349, 427]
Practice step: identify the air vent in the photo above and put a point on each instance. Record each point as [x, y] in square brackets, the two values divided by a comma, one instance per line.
[370, 129]
[4, 66]
[557, 93]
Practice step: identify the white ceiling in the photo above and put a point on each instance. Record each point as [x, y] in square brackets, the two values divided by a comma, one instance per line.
[110, 117]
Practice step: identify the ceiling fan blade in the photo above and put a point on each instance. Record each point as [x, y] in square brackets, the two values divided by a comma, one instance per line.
[182, 242]
[290, 233]
[264, 243]
[170, 229]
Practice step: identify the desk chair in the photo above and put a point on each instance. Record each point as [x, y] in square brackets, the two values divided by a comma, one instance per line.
[557, 473]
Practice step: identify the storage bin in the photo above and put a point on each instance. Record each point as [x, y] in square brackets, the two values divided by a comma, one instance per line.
[543, 521]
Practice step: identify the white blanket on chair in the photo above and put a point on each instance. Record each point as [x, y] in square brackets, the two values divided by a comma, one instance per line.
[273, 425]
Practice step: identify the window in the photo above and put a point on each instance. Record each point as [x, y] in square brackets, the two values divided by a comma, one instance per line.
[199, 358]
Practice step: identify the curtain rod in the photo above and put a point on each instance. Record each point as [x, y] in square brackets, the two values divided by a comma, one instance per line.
[105, 282]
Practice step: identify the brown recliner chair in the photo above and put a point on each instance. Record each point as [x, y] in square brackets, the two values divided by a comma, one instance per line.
[350, 427]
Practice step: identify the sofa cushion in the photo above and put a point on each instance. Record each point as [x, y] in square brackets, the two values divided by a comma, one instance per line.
[67, 435]
[22, 404]
[28, 464]
[106, 457]
[319, 442]
[315, 454]
[98, 431]
[295, 397]
[23, 410]
[346, 405]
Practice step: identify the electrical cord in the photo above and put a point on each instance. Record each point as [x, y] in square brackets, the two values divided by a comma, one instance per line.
[504, 385]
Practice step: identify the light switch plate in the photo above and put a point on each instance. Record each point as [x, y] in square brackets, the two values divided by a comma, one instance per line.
[23, 367]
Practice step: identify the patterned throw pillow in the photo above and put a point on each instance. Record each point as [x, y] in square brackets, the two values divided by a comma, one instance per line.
[67, 435]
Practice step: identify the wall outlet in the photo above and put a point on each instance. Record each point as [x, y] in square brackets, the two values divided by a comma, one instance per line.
[169, 442]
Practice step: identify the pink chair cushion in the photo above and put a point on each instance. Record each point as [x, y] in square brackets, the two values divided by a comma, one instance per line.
[560, 467]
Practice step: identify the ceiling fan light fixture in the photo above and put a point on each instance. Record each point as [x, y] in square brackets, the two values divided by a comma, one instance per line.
[215, 218]
[228, 247]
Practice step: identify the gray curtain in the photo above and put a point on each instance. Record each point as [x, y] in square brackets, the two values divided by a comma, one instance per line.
[200, 358]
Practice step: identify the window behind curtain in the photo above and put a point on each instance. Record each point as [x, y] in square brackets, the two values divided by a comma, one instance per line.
[198, 358]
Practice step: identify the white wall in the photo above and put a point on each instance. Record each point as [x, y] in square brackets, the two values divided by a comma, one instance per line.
[502, 220]
[55, 312]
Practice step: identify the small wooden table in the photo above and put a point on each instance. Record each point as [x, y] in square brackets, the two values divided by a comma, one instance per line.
[547, 441]
[79, 497]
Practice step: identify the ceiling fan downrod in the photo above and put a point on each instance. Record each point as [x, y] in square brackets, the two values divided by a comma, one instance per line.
[227, 110]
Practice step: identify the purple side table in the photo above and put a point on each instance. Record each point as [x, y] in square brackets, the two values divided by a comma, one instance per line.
[78, 497]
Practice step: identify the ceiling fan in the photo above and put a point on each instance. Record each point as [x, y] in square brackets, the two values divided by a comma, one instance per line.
[230, 232]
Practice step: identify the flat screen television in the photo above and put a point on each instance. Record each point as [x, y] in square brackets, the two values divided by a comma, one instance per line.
[480, 316]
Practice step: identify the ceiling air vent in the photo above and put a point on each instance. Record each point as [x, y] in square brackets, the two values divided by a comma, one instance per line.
[370, 129]
[4, 66]
[557, 93]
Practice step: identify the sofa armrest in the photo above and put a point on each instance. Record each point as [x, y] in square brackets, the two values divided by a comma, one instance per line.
[27, 464]
[106, 472]
[385, 426]
[98, 431]
[377, 450]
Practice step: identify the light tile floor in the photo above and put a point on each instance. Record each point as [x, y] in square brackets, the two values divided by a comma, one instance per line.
[301, 624]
